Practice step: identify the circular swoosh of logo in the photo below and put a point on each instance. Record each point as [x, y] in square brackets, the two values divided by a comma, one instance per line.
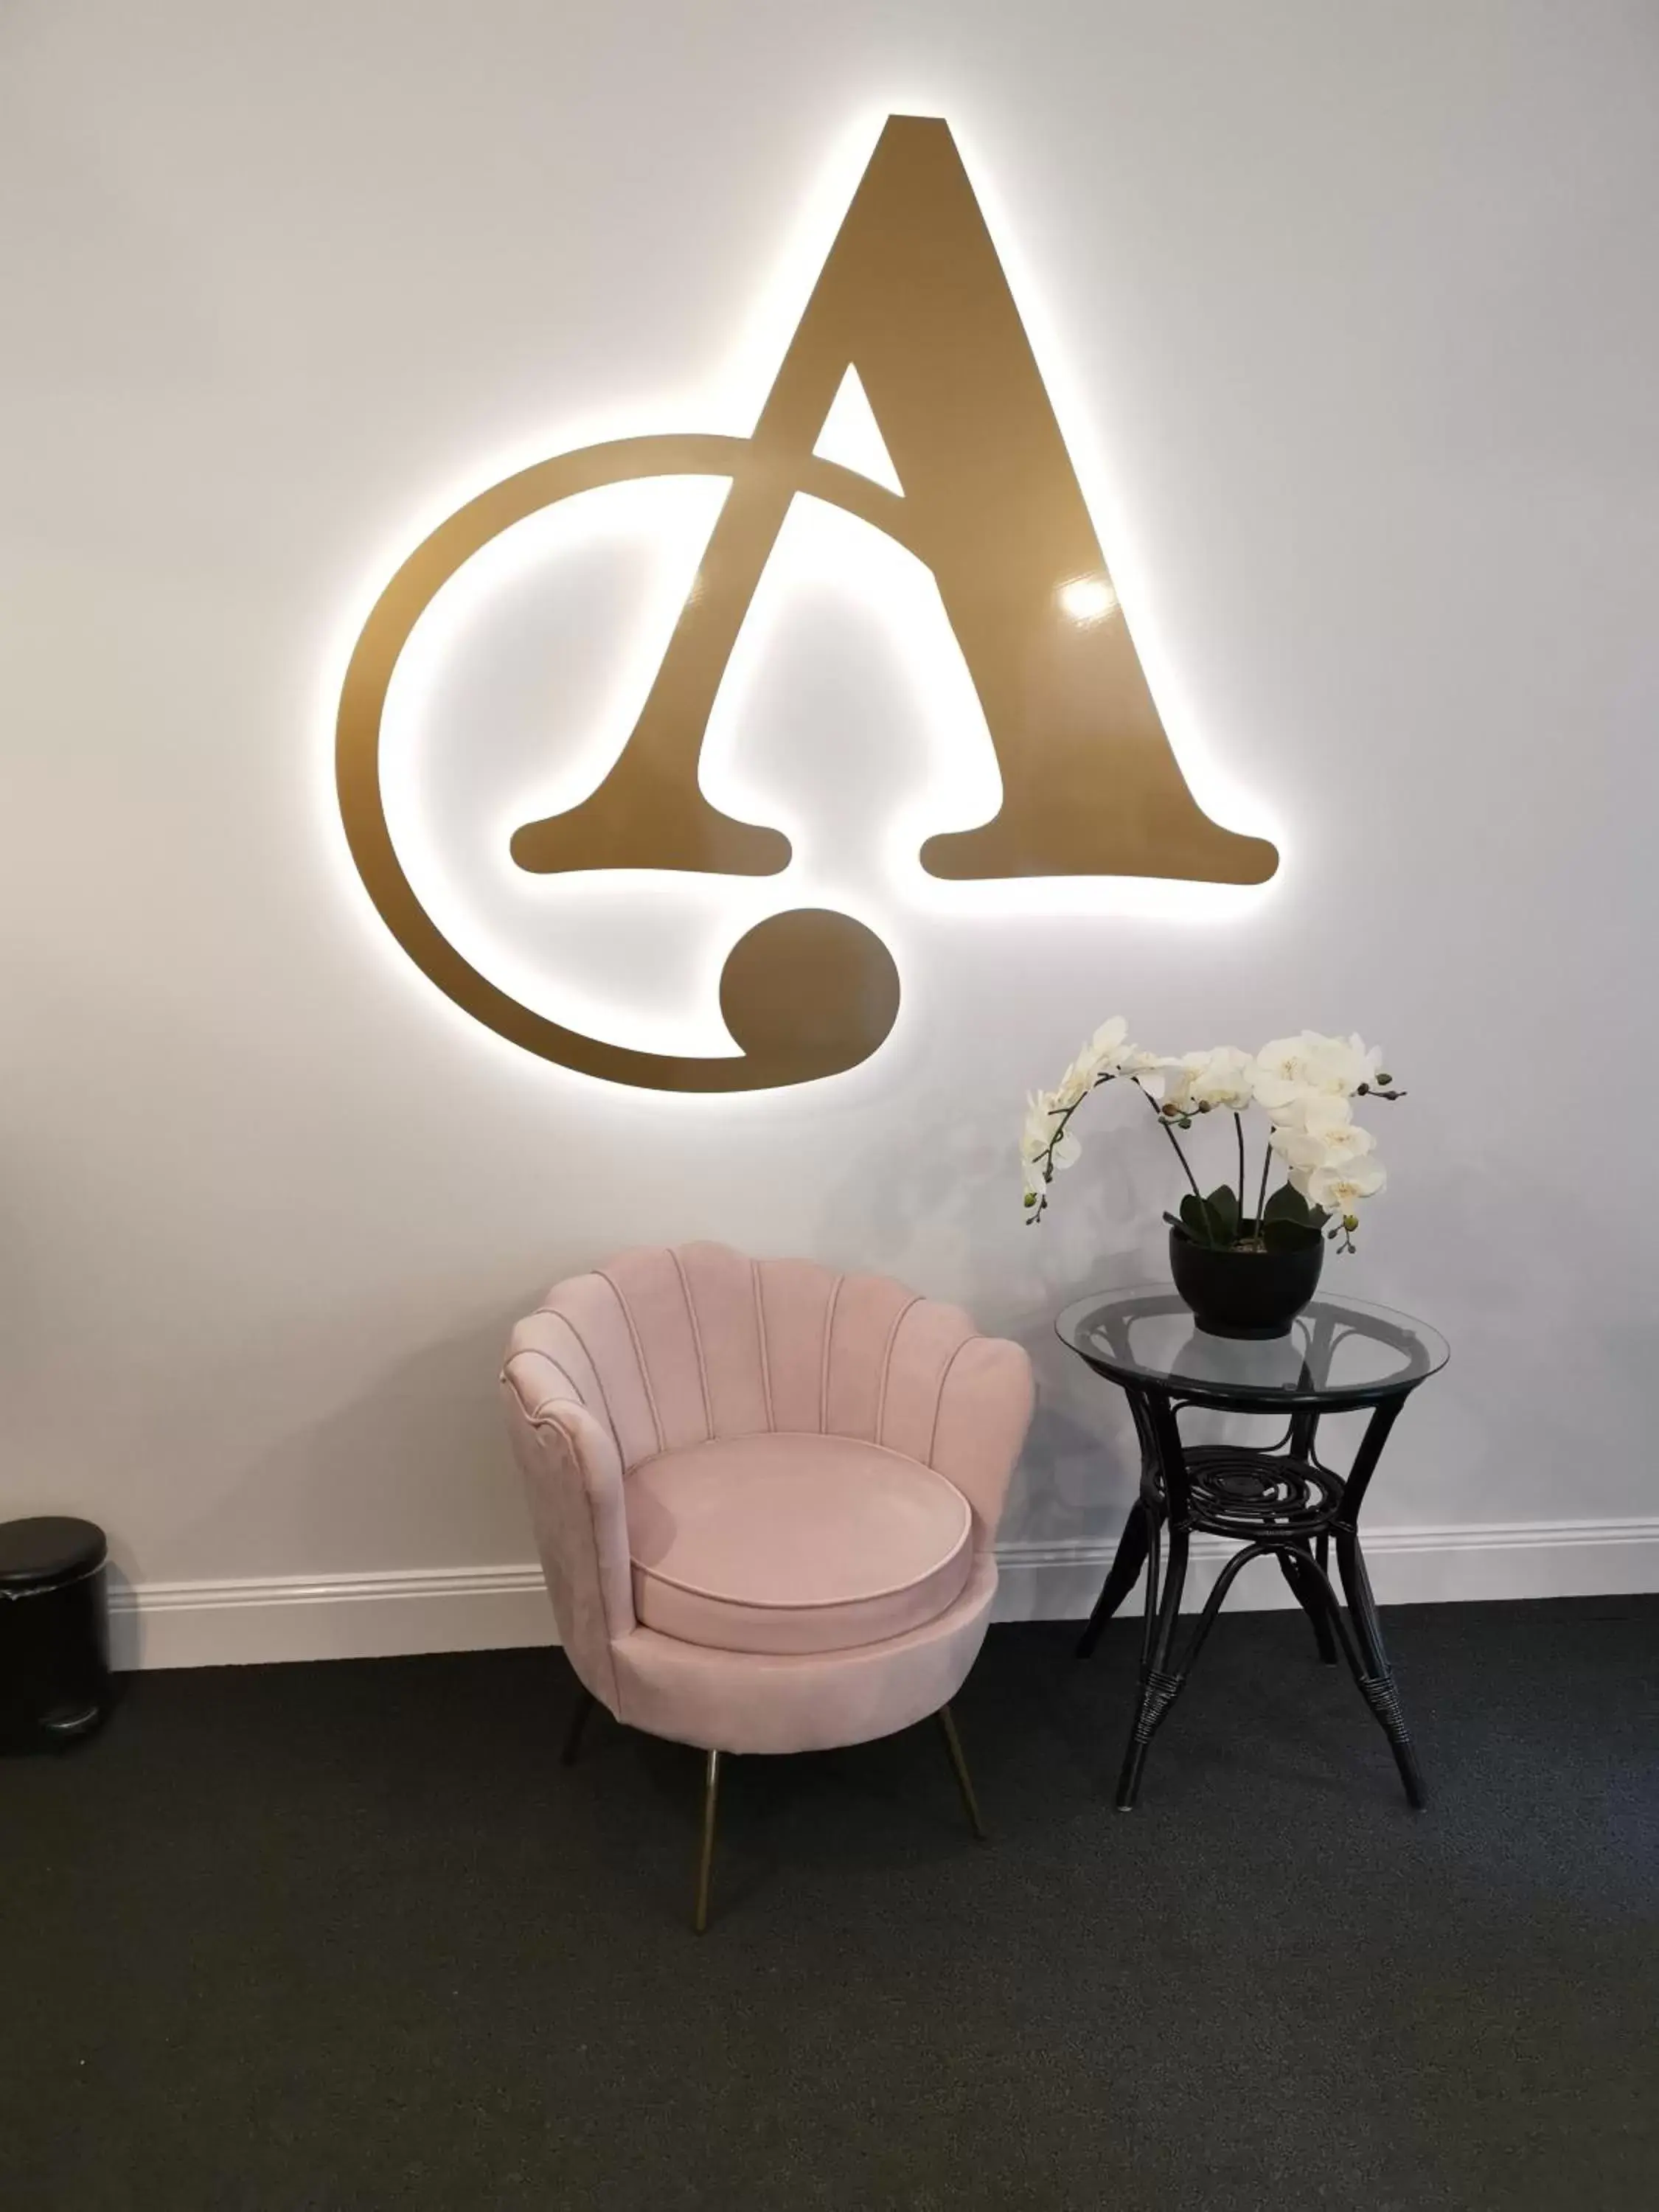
[805, 993]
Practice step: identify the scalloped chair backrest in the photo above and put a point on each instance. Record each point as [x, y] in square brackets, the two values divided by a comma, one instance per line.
[681, 1345]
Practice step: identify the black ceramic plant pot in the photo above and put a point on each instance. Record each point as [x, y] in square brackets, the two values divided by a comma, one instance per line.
[1242, 1293]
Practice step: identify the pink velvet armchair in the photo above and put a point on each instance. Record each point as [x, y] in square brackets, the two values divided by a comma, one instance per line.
[765, 1497]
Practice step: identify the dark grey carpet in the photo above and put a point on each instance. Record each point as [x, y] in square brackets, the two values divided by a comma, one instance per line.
[350, 1937]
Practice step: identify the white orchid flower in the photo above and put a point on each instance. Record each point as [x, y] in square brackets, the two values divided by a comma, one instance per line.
[1291, 1070]
[1222, 1079]
[1281, 1069]
[1340, 1189]
[1075, 1085]
[1337, 1149]
[1144, 1068]
[1329, 1123]
[1225, 1079]
[1300, 1153]
[1040, 1155]
[1285, 1058]
[1104, 1048]
[1178, 1081]
[1306, 1082]
[1039, 1126]
[1324, 1122]
[1339, 1067]
[1099, 1056]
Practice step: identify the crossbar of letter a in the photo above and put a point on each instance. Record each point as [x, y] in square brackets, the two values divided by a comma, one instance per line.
[914, 297]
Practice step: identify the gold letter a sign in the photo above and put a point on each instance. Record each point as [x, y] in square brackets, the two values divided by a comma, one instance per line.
[914, 298]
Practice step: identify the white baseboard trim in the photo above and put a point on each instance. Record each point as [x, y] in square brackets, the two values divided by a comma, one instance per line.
[1408, 1566]
[375, 1616]
[402, 1610]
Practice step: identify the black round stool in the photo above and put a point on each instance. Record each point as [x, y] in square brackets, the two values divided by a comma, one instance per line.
[54, 1631]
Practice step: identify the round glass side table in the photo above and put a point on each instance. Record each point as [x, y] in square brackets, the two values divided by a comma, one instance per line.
[1341, 1355]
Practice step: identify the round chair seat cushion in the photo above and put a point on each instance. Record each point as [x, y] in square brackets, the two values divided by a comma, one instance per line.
[793, 1543]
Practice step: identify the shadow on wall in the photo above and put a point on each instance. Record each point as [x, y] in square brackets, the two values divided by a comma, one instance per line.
[426, 1435]
[126, 1635]
[1080, 1469]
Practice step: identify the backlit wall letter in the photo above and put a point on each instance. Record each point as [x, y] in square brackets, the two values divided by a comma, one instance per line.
[913, 297]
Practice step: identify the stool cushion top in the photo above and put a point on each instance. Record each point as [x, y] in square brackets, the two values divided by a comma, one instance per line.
[793, 1543]
[40, 1553]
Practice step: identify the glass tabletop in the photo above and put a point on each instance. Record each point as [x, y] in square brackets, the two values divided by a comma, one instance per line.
[1339, 1350]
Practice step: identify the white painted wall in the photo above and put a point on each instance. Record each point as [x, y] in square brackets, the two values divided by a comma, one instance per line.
[1350, 317]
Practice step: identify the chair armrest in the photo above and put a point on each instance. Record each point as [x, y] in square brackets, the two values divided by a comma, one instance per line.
[984, 1410]
[573, 1474]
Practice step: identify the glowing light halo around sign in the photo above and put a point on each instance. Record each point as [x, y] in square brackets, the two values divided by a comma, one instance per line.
[1014, 556]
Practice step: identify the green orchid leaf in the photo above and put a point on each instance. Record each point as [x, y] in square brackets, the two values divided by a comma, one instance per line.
[1199, 1223]
[1287, 1203]
[1223, 1209]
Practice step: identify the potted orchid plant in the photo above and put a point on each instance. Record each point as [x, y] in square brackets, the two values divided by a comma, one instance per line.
[1245, 1256]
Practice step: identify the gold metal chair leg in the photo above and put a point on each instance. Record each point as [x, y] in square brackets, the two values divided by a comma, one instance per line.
[959, 1766]
[711, 1785]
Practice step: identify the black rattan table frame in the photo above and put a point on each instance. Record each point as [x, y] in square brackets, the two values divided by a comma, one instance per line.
[1281, 1501]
